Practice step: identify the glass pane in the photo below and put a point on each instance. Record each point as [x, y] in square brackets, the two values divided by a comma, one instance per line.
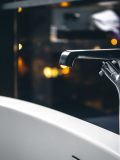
[43, 33]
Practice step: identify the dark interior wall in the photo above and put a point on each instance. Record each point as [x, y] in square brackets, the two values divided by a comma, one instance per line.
[6, 53]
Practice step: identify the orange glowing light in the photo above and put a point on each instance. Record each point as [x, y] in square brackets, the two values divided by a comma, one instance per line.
[22, 69]
[64, 4]
[20, 62]
[65, 70]
[114, 41]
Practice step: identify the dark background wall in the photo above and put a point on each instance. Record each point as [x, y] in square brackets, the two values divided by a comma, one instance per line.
[6, 53]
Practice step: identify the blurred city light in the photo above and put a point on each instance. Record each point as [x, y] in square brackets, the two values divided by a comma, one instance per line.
[50, 72]
[47, 71]
[20, 62]
[97, 47]
[20, 46]
[55, 72]
[114, 41]
[65, 70]
[22, 69]
[20, 9]
[64, 4]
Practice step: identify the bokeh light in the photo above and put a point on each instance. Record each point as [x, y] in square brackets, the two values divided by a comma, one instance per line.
[20, 9]
[64, 4]
[114, 41]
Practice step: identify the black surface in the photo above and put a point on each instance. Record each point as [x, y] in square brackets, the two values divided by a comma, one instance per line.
[6, 54]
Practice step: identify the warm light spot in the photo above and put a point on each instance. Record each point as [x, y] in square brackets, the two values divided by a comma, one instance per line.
[114, 41]
[20, 62]
[62, 66]
[55, 72]
[20, 46]
[65, 70]
[64, 4]
[20, 9]
[47, 71]
[97, 47]
[22, 69]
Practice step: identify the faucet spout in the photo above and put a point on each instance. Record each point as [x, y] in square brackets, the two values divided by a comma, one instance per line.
[68, 57]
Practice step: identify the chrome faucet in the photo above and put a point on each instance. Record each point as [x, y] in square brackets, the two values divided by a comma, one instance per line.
[110, 67]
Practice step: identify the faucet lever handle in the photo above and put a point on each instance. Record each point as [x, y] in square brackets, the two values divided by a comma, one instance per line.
[110, 71]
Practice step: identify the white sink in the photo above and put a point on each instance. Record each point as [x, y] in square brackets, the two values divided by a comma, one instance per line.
[33, 132]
